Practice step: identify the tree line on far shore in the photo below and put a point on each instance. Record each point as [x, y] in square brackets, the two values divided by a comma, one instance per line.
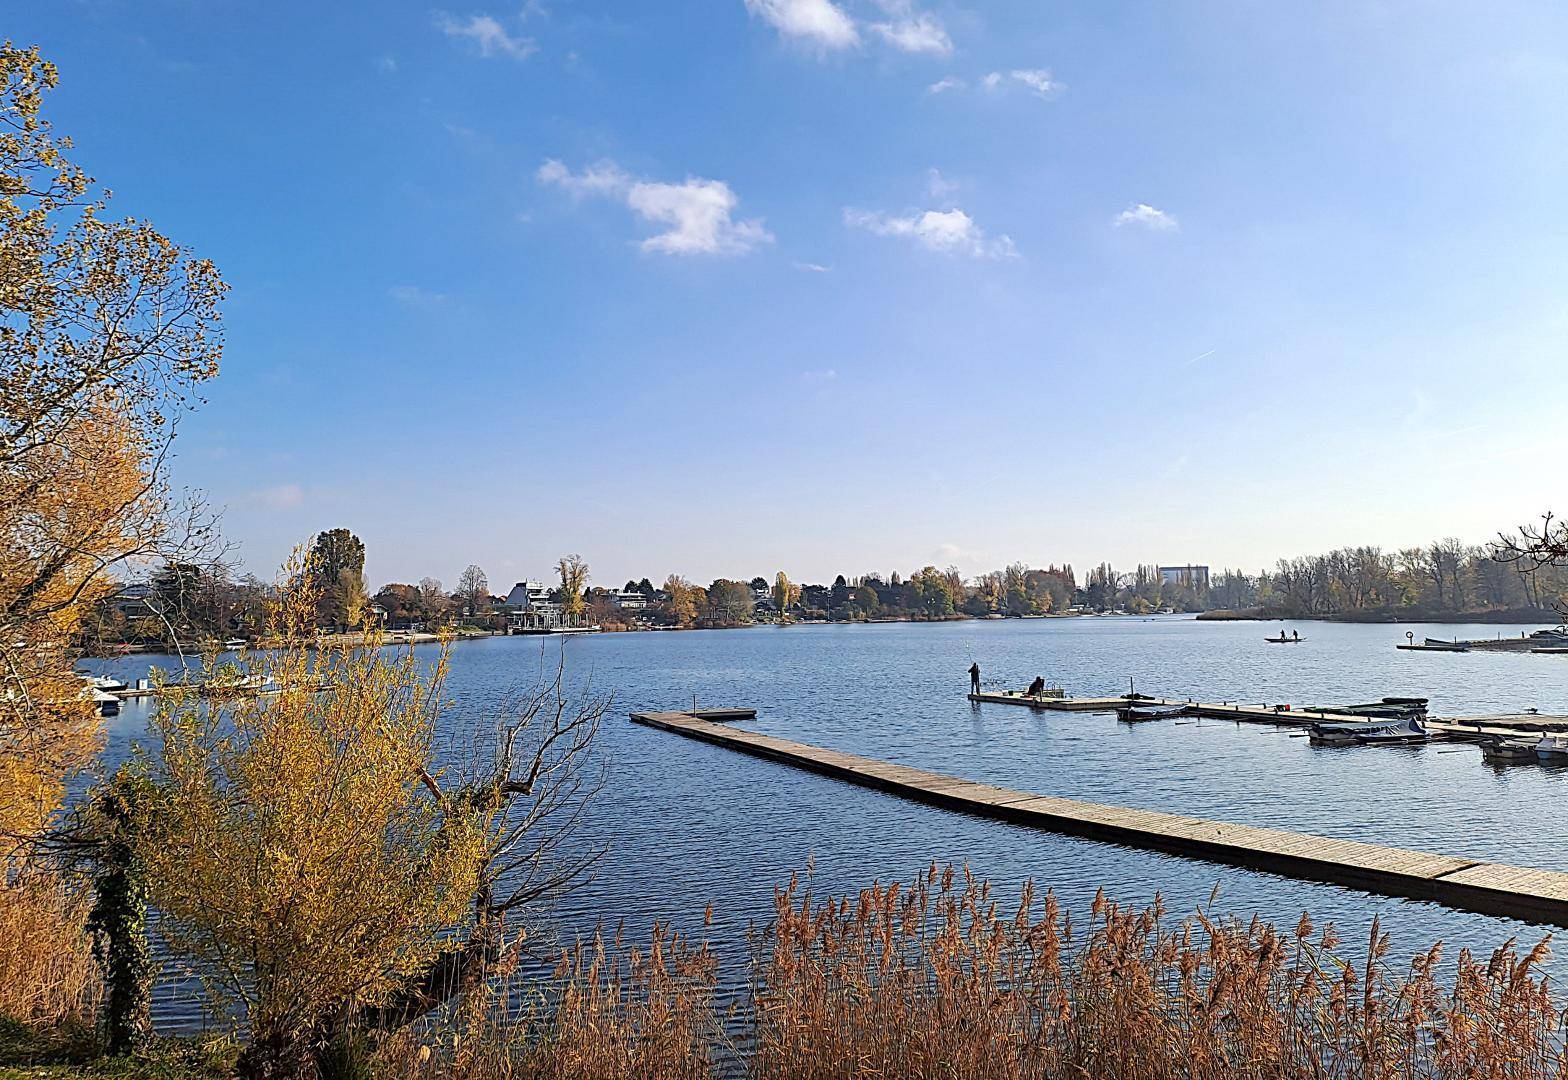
[189, 602]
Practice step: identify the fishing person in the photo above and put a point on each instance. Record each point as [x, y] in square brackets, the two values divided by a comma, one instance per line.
[1036, 688]
[974, 677]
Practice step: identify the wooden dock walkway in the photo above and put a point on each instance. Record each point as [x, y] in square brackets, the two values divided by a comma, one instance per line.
[1472, 884]
[1286, 716]
[1451, 727]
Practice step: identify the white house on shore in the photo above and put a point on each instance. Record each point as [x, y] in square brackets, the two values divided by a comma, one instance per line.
[529, 610]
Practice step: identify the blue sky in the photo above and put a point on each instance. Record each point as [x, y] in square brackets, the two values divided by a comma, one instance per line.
[730, 286]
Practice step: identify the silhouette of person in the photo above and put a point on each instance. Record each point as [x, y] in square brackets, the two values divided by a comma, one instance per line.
[1295, 635]
[974, 678]
[1037, 687]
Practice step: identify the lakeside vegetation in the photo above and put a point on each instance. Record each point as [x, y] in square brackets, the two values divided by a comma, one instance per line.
[357, 904]
[184, 603]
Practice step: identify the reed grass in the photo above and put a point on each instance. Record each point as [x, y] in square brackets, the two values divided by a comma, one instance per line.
[47, 974]
[936, 978]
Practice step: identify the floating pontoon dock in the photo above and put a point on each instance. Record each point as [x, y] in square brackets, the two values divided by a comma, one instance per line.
[1454, 727]
[1471, 884]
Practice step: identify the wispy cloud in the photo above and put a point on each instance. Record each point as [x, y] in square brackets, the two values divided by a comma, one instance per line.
[1144, 216]
[1200, 356]
[696, 214]
[281, 497]
[951, 232]
[826, 26]
[1036, 80]
[386, 63]
[912, 31]
[940, 187]
[814, 268]
[487, 35]
[414, 296]
[821, 24]
[819, 377]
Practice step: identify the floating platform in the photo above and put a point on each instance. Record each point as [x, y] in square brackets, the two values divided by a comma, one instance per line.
[1471, 884]
[1433, 648]
[1283, 715]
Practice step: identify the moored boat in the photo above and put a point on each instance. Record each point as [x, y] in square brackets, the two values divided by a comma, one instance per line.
[1368, 733]
[1508, 749]
[1390, 708]
[1141, 714]
[1553, 748]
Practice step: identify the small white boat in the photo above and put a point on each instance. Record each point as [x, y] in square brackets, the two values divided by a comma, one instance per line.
[1553, 748]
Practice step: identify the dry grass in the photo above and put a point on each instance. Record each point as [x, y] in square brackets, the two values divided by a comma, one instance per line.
[609, 1012]
[935, 979]
[47, 974]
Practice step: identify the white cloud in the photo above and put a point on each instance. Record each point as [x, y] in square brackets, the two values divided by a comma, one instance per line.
[487, 35]
[415, 297]
[951, 232]
[940, 187]
[942, 86]
[696, 214]
[1036, 80]
[913, 31]
[814, 268]
[602, 179]
[387, 63]
[1147, 217]
[817, 22]
[817, 378]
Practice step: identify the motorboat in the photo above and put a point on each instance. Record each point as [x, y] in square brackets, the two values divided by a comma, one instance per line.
[1142, 714]
[1508, 750]
[1553, 749]
[1408, 730]
[1390, 708]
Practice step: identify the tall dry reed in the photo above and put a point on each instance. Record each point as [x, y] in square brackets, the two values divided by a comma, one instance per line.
[47, 975]
[608, 1012]
[936, 979]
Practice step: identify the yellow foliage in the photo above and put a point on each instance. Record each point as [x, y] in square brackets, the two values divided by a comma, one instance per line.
[103, 328]
[302, 850]
[47, 974]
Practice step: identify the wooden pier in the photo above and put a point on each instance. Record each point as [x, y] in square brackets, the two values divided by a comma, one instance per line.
[1283, 715]
[1453, 727]
[1472, 884]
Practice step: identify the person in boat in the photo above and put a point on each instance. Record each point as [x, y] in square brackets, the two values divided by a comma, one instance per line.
[974, 678]
[1295, 635]
[1036, 688]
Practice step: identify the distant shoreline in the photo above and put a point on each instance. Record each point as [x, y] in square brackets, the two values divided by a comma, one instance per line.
[1500, 616]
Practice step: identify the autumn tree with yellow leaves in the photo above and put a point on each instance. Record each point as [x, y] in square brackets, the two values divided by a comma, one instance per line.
[107, 330]
[317, 861]
[574, 579]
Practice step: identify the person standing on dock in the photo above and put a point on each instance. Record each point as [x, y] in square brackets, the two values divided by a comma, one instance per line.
[974, 677]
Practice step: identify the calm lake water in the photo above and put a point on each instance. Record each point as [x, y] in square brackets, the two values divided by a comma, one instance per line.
[687, 825]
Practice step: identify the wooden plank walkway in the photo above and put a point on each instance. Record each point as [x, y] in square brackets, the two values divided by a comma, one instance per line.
[1454, 727]
[1516, 892]
[1287, 716]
